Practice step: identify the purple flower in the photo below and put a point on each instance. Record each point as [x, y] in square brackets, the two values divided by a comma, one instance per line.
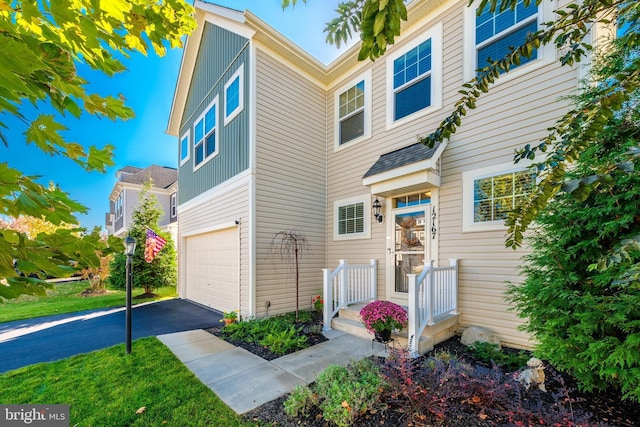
[380, 315]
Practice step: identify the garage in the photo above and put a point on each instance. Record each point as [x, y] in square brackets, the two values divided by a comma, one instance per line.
[212, 269]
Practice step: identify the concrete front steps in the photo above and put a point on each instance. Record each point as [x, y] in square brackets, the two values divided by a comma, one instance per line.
[348, 321]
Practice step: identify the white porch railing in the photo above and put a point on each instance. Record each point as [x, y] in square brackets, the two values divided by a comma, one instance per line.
[347, 284]
[431, 294]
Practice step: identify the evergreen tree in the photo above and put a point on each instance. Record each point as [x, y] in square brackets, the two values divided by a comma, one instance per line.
[161, 271]
[581, 293]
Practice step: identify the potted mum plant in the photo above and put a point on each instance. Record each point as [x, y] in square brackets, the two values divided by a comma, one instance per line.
[381, 317]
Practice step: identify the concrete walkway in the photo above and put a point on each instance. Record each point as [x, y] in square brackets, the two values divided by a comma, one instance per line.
[245, 381]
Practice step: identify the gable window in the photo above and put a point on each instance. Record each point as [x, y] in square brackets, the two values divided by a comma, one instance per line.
[415, 77]
[497, 32]
[205, 144]
[490, 194]
[174, 206]
[351, 217]
[353, 111]
[184, 148]
[234, 95]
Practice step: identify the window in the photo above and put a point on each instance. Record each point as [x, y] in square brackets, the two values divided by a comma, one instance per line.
[414, 77]
[120, 206]
[412, 200]
[353, 111]
[497, 32]
[489, 194]
[184, 148]
[351, 218]
[174, 206]
[205, 144]
[234, 95]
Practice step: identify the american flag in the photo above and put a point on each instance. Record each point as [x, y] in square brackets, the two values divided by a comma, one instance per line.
[153, 245]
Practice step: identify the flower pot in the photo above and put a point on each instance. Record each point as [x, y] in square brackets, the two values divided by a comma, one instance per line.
[227, 321]
[383, 336]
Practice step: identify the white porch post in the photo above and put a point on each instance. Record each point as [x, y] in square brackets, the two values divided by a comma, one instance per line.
[414, 315]
[327, 294]
[374, 279]
[344, 282]
[454, 285]
[430, 290]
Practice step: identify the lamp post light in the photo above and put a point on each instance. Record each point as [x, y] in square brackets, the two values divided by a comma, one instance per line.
[129, 249]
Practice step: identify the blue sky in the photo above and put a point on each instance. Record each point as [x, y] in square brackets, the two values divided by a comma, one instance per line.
[148, 87]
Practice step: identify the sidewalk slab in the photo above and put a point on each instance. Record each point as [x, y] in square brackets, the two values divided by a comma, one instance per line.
[255, 387]
[190, 347]
[218, 366]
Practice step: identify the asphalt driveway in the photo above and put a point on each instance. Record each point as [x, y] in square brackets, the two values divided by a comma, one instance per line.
[50, 338]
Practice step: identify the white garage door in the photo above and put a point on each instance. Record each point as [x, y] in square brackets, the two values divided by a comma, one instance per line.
[212, 269]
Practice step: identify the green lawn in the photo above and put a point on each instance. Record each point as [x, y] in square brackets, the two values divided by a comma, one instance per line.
[66, 298]
[107, 387]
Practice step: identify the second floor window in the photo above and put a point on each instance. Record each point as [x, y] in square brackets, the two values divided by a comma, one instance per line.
[205, 144]
[412, 80]
[184, 148]
[351, 111]
[234, 95]
[119, 206]
[497, 32]
[174, 206]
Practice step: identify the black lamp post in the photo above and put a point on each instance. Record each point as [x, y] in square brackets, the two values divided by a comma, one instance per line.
[129, 249]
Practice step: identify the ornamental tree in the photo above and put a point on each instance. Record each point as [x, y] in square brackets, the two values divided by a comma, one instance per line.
[42, 45]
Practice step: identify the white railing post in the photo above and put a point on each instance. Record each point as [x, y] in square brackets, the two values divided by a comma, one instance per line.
[414, 315]
[454, 284]
[344, 283]
[327, 294]
[374, 280]
[430, 291]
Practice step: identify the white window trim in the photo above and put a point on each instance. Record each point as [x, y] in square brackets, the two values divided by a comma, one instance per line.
[468, 177]
[173, 206]
[230, 115]
[366, 234]
[119, 207]
[435, 34]
[546, 53]
[187, 135]
[206, 158]
[367, 111]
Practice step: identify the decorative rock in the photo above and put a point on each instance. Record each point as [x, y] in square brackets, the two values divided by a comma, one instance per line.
[533, 375]
[474, 334]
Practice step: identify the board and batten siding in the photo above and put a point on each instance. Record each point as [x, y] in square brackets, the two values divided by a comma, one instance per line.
[515, 112]
[290, 181]
[212, 211]
[220, 55]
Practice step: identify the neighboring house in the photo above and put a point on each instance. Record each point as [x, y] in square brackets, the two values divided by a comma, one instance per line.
[125, 197]
[271, 139]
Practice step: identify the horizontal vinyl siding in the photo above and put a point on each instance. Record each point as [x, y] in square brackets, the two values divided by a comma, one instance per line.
[290, 182]
[514, 113]
[219, 209]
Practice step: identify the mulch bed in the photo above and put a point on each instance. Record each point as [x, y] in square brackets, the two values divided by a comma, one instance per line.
[606, 408]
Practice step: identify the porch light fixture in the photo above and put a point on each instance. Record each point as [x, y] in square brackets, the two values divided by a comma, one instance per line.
[129, 249]
[377, 207]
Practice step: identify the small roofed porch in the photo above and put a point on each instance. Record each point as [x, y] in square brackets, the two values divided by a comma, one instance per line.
[432, 303]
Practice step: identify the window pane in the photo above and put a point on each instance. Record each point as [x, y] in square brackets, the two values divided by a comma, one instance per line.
[503, 185]
[351, 219]
[352, 127]
[232, 96]
[413, 98]
[199, 153]
[210, 144]
[184, 148]
[482, 212]
[501, 47]
[210, 119]
[199, 131]
[504, 20]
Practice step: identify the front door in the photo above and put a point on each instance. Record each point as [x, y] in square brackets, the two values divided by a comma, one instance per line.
[410, 246]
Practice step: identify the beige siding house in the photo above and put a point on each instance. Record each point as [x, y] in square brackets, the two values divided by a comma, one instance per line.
[331, 151]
